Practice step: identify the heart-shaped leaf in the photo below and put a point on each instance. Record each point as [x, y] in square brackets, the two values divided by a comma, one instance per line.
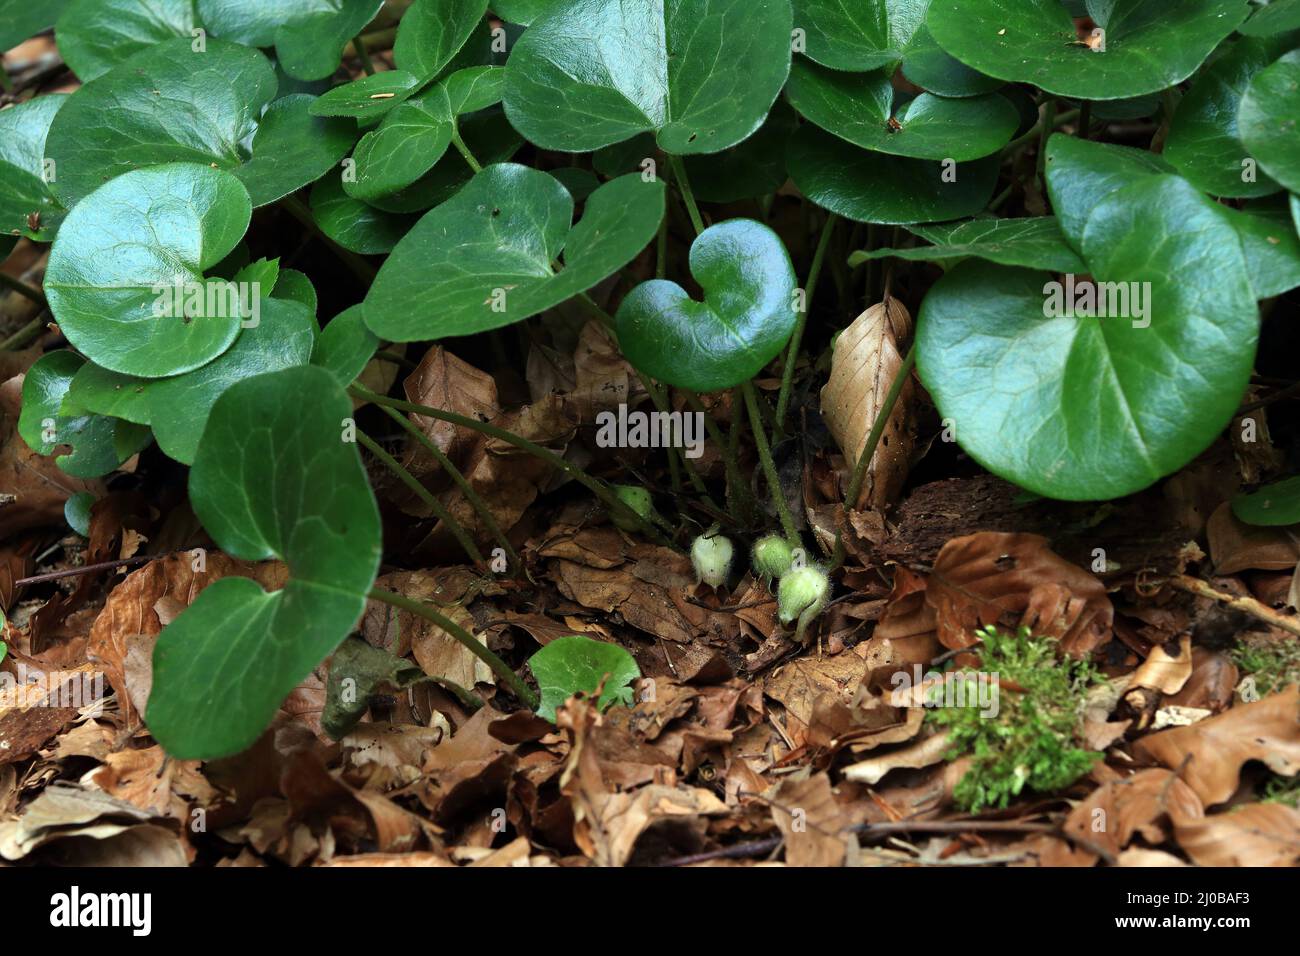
[432, 32]
[292, 148]
[96, 390]
[23, 171]
[21, 20]
[700, 74]
[1203, 144]
[1272, 505]
[308, 35]
[576, 664]
[164, 104]
[876, 187]
[1146, 46]
[483, 259]
[1083, 407]
[345, 345]
[929, 66]
[745, 319]
[130, 251]
[367, 98]
[354, 224]
[1270, 244]
[415, 135]
[179, 406]
[1280, 16]
[98, 444]
[96, 35]
[858, 34]
[860, 108]
[1035, 243]
[273, 478]
[1267, 120]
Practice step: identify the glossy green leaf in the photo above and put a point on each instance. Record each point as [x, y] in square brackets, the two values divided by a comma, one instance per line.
[755, 167]
[345, 345]
[1149, 44]
[858, 34]
[1081, 407]
[1269, 120]
[179, 406]
[97, 390]
[1035, 242]
[524, 12]
[76, 511]
[1203, 144]
[926, 64]
[273, 478]
[483, 259]
[308, 35]
[164, 104]
[415, 135]
[97, 444]
[294, 286]
[368, 97]
[701, 74]
[22, 19]
[353, 224]
[576, 664]
[861, 108]
[1280, 16]
[432, 32]
[1269, 243]
[746, 317]
[293, 148]
[1081, 173]
[123, 253]
[96, 35]
[23, 171]
[1273, 505]
[876, 187]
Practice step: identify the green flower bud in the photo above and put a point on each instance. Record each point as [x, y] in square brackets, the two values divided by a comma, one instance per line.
[636, 498]
[712, 558]
[803, 594]
[772, 556]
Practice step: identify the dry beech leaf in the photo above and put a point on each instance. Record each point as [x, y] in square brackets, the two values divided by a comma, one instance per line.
[812, 838]
[983, 578]
[1267, 730]
[1236, 546]
[442, 380]
[1259, 834]
[1140, 805]
[867, 357]
[923, 753]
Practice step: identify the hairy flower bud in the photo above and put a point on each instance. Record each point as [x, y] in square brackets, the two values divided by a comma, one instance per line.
[711, 556]
[636, 498]
[772, 557]
[802, 594]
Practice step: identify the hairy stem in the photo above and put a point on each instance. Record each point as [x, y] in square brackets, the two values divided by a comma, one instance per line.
[425, 495]
[23, 289]
[464, 150]
[801, 320]
[459, 634]
[769, 467]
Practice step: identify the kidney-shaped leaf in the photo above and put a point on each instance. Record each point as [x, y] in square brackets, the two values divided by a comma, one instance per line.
[273, 478]
[860, 108]
[573, 664]
[1085, 407]
[1275, 504]
[368, 97]
[432, 32]
[23, 171]
[1280, 16]
[1148, 44]
[1269, 120]
[858, 34]
[701, 74]
[97, 444]
[876, 187]
[292, 148]
[483, 259]
[746, 317]
[127, 267]
[308, 35]
[96, 35]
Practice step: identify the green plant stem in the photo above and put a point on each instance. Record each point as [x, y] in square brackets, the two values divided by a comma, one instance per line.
[459, 634]
[596, 487]
[1049, 123]
[396, 359]
[873, 439]
[23, 289]
[769, 467]
[684, 187]
[464, 150]
[661, 249]
[423, 493]
[477, 503]
[801, 320]
[23, 335]
[359, 267]
[359, 45]
[466, 699]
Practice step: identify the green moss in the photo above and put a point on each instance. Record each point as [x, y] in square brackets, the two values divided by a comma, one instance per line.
[1273, 664]
[1031, 742]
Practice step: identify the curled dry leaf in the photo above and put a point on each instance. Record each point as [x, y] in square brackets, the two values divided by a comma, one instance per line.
[1259, 834]
[983, 578]
[1215, 749]
[1141, 805]
[923, 753]
[867, 357]
[1236, 546]
[806, 813]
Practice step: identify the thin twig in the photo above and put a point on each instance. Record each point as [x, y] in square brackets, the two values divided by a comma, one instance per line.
[1249, 605]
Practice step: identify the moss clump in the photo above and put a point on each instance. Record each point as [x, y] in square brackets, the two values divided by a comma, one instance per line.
[1273, 664]
[1031, 742]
